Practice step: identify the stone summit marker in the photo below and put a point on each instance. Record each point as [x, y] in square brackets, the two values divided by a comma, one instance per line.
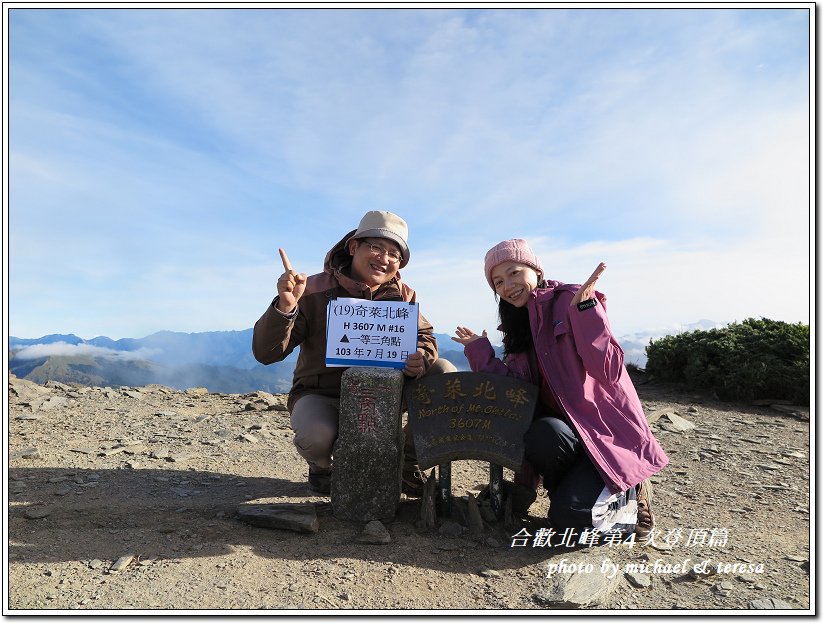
[366, 480]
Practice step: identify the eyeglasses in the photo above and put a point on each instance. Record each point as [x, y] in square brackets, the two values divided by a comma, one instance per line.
[393, 256]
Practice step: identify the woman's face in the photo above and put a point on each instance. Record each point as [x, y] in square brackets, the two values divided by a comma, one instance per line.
[514, 281]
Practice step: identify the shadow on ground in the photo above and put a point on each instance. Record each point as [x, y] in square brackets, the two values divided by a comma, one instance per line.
[174, 514]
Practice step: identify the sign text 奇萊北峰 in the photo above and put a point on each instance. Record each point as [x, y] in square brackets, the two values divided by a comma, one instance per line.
[370, 333]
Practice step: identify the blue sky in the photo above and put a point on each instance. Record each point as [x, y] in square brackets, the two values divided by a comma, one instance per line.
[158, 158]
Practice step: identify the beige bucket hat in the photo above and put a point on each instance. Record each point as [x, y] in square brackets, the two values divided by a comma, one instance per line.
[383, 224]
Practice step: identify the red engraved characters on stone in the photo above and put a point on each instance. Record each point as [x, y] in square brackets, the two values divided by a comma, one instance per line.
[367, 406]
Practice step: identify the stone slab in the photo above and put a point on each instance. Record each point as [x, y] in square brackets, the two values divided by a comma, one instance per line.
[122, 563]
[300, 517]
[29, 453]
[678, 423]
[36, 513]
[770, 603]
[374, 533]
[584, 588]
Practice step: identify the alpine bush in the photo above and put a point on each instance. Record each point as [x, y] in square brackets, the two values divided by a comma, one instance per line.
[754, 359]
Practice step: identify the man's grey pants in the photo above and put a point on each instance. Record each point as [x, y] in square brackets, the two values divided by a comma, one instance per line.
[314, 420]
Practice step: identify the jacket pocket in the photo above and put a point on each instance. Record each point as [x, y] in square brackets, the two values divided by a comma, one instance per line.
[629, 429]
[560, 328]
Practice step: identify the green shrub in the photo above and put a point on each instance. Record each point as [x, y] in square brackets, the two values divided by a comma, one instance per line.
[754, 359]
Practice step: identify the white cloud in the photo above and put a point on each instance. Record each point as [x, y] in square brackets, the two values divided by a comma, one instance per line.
[33, 352]
[649, 283]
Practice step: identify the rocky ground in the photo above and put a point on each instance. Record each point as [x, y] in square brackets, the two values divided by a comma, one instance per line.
[126, 498]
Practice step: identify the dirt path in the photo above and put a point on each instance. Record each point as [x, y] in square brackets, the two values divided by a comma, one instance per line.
[98, 474]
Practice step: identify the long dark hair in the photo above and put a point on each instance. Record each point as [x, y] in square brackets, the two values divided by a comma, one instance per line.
[515, 325]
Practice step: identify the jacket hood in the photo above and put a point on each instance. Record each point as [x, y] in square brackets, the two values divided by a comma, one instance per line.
[338, 257]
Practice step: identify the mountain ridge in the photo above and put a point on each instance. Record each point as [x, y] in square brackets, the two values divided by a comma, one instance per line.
[220, 361]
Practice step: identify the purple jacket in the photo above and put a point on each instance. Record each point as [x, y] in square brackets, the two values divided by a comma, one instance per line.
[584, 366]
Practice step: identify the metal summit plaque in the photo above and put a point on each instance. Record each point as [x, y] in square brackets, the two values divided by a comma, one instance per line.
[470, 416]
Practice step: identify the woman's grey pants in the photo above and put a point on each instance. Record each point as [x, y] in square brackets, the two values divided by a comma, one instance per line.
[570, 478]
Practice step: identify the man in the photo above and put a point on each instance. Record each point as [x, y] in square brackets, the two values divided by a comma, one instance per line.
[364, 264]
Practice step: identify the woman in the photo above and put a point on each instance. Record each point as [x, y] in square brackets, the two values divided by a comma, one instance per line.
[589, 440]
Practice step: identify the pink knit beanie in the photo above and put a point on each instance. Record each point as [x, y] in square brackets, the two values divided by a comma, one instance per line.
[513, 250]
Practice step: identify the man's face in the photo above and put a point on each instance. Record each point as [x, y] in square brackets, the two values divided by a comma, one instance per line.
[375, 261]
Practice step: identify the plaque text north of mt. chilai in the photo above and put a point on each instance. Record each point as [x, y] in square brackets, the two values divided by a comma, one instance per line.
[470, 416]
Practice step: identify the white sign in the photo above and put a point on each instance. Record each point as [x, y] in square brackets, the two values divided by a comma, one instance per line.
[360, 332]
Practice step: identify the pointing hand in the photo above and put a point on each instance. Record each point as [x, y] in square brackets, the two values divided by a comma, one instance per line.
[588, 287]
[290, 285]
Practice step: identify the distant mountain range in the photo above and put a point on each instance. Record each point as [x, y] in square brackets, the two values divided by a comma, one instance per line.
[220, 361]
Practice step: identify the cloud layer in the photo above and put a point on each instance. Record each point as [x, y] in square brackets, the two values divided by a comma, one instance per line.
[37, 351]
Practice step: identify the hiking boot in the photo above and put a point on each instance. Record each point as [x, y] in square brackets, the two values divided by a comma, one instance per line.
[412, 482]
[645, 522]
[521, 496]
[320, 480]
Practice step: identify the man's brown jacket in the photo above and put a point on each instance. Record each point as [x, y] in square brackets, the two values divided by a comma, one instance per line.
[277, 334]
